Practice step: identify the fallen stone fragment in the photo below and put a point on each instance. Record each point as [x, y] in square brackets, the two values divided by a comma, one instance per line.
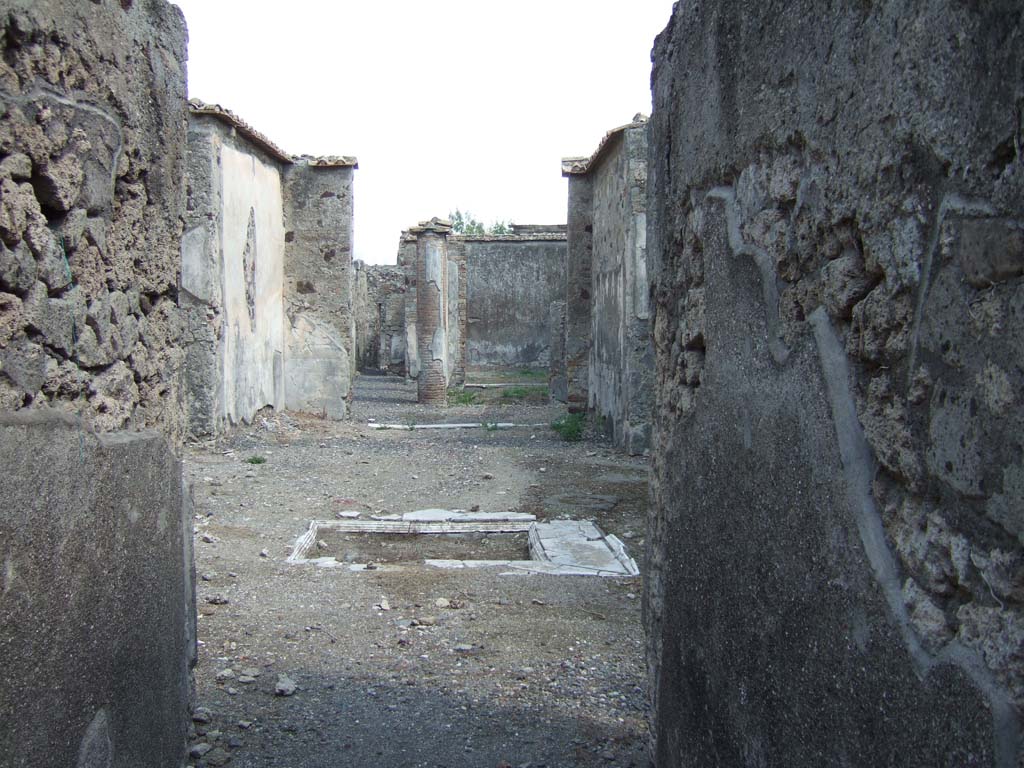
[264, 553]
[198, 750]
[218, 757]
[246, 679]
[383, 605]
[250, 672]
[207, 538]
[202, 715]
[442, 602]
[245, 725]
[463, 648]
[425, 621]
[217, 600]
[285, 686]
[226, 674]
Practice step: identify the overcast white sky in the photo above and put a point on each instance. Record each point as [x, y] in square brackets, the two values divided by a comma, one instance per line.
[446, 103]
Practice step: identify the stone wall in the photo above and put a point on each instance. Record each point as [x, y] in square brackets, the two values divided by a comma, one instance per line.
[835, 232]
[380, 318]
[266, 276]
[232, 272]
[579, 290]
[97, 610]
[321, 356]
[511, 281]
[91, 170]
[612, 225]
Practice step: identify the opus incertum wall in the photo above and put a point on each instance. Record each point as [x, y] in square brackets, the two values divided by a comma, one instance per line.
[97, 604]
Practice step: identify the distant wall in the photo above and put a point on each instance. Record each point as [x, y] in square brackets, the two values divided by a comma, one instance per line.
[380, 321]
[836, 232]
[97, 607]
[510, 284]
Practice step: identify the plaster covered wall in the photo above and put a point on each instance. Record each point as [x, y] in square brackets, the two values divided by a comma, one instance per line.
[620, 368]
[232, 274]
[835, 565]
[510, 284]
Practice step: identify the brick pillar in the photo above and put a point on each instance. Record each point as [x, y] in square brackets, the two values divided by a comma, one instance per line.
[432, 310]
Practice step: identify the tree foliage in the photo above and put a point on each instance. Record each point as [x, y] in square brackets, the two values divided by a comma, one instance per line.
[464, 223]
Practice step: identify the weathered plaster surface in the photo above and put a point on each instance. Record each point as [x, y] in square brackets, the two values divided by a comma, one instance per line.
[834, 238]
[232, 273]
[510, 286]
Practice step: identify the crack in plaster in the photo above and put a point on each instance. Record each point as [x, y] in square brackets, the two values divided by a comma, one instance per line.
[859, 469]
[779, 351]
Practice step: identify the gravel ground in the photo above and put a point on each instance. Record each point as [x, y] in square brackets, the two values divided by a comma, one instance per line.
[463, 668]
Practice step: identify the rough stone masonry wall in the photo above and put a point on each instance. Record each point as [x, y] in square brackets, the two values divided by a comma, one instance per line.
[621, 366]
[96, 598]
[232, 269]
[578, 297]
[321, 355]
[381, 331]
[511, 281]
[91, 166]
[837, 240]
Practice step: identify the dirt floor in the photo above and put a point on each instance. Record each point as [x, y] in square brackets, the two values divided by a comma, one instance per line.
[408, 665]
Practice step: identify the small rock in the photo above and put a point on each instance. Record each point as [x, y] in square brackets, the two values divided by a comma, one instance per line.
[198, 750]
[234, 742]
[443, 602]
[383, 605]
[202, 715]
[225, 674]
[218, 757]
[207, 538]
[208, 576]
[425, 621]
[487, 476]
[232, 575]
[217, 600]
[463, 648]
[264, 553]
[250, 672]
[285, 686]
[232, 691]
[246, 679]
[245, 725]
[475, 508]
[321, 544]
[628, 535]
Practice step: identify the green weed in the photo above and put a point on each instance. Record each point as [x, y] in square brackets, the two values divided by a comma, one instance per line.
[570, 427]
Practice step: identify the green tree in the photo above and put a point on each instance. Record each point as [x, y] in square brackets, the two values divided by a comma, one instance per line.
[464, 223]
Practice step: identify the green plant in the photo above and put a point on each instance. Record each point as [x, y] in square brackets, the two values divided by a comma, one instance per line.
[516, 393]
[256, 460]
[570, 427]
[532, 373]
[462, 398]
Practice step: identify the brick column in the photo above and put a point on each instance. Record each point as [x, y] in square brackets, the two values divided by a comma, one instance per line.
[432, 310]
